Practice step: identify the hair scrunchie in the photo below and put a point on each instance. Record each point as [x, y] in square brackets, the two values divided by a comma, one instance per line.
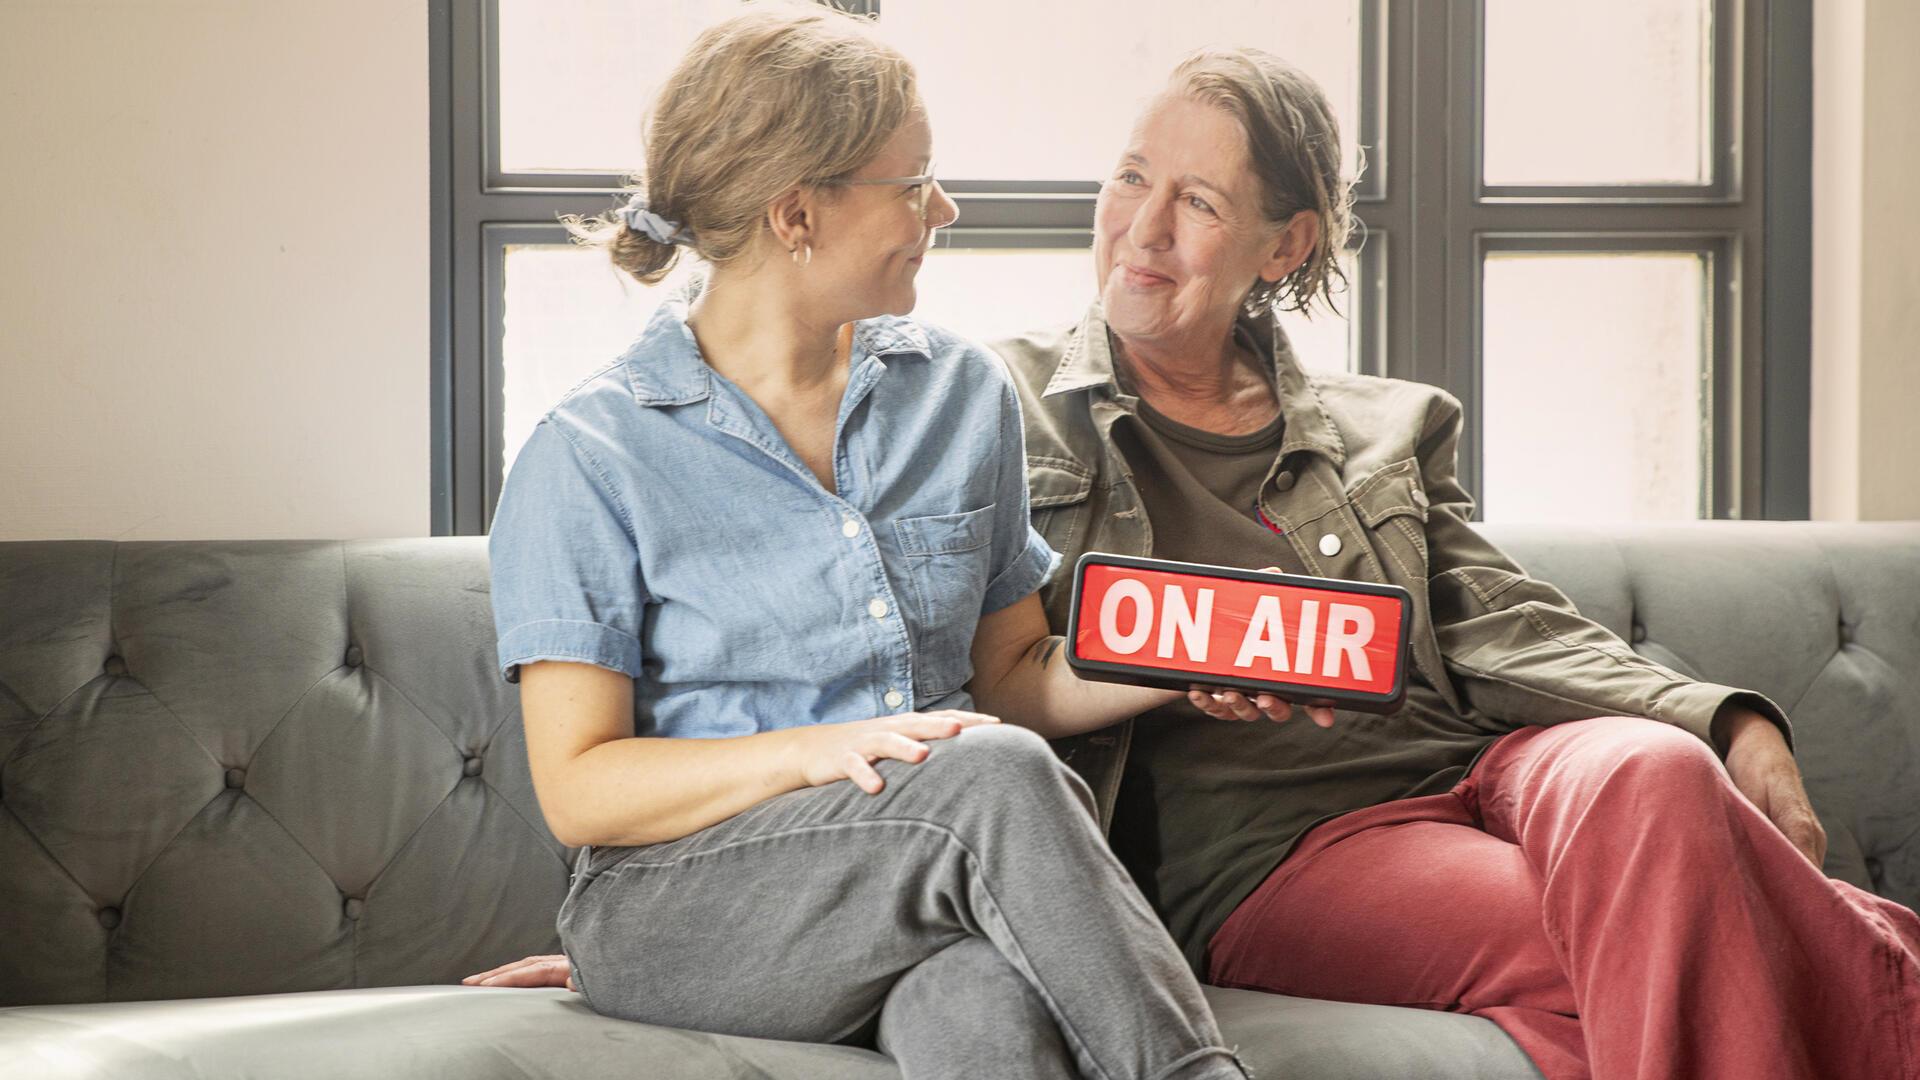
[660, 230]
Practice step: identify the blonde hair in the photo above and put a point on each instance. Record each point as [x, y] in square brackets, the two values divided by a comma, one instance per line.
[1294, 144]
[787, 93]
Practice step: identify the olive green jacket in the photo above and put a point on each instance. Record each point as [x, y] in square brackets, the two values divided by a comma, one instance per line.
[1364, 489]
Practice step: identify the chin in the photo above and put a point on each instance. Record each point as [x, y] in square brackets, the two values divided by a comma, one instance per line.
[1129, 314]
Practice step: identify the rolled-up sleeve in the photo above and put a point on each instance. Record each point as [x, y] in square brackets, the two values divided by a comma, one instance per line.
[1022, 561]
[566, 576]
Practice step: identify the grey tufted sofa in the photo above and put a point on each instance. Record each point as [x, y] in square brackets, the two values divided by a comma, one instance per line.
[262, 804]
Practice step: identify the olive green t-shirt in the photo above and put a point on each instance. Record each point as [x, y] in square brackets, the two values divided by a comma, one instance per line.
[1207, 808]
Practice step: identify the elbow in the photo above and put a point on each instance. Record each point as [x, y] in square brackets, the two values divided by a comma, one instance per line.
[567, 831]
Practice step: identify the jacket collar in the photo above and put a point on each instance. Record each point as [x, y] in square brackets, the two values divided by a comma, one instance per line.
[1087, 364]
[664, 366]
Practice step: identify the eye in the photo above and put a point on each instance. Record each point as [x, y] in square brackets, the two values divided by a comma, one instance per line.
[1199, 204]
[1129, 176]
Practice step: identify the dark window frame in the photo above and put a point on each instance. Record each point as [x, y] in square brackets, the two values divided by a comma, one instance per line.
[1428, 218]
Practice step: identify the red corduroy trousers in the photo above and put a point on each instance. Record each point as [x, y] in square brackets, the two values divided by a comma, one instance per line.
[1601, 891]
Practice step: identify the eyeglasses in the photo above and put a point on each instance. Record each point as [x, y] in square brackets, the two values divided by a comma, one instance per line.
[924, 185]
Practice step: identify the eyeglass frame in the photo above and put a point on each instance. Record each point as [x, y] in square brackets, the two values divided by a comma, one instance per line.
[925, 181]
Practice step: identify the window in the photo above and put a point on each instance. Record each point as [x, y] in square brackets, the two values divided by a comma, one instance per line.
[1603, 249]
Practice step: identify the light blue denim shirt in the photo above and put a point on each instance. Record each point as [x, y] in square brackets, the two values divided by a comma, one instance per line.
[657, 523]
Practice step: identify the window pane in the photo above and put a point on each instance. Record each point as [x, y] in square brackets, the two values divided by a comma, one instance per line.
[987, 293]
[1025, 91]
[576, 77]
[1614, 93]
[1595, 386]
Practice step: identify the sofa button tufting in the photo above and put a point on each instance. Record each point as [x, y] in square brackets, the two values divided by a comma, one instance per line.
[1846, 634]
[353, 907]
[236, 778]
[116, 665]
[354, 656]
[109, 917]
[472, 766]
[1639, 632]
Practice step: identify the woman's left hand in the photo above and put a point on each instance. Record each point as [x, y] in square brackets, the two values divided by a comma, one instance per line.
[1764, 770]
[1234, 705]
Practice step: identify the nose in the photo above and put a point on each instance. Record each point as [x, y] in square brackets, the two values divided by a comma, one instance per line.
[942, 211]
[1152, 225]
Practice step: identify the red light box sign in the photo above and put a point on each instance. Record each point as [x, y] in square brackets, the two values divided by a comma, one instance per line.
[1173, 624]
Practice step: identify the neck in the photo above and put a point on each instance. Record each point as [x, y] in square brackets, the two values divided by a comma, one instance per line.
[1195, 371]
[753, 328]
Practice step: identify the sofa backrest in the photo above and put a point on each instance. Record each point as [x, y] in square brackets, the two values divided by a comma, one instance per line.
[264, 766]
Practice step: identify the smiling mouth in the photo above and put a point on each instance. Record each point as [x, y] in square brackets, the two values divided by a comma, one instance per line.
[1133, 275]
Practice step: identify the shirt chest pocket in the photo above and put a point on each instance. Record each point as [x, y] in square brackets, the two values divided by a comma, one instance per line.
[1392, 506]
[948, 564]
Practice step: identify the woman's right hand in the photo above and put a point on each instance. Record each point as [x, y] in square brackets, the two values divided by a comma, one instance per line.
[830, 752]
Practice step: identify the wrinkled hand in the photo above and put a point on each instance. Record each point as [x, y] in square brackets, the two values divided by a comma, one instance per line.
[1234, 705]
[830, 752]
[532, 971]
[1764, 770]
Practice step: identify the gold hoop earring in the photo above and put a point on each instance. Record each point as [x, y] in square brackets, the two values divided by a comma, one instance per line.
[809, 259]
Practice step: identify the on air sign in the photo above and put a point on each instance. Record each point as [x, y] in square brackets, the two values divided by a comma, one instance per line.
[1311, 640]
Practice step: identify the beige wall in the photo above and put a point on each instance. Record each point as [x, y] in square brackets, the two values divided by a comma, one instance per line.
[214, 276]
[1866, 261]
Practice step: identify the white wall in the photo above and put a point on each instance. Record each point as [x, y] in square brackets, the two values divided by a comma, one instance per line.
[214, 277]
[1866, 261]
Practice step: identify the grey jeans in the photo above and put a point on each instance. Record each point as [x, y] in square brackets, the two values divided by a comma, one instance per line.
[970, 916]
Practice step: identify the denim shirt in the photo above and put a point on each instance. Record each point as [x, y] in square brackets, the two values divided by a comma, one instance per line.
[657, 523]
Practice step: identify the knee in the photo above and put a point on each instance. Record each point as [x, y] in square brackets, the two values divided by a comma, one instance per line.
[998, 757]
[1641, 753]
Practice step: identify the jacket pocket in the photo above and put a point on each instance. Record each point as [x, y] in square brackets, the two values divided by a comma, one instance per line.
[1057, 491]
[1392, 506]
[949, 562]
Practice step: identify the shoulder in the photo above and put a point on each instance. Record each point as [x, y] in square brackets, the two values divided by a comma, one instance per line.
[954, 357]
[1033, 356]
[591, 414]
[1366, 408]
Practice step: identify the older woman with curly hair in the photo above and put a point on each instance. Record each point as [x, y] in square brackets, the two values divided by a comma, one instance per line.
[1616, 864]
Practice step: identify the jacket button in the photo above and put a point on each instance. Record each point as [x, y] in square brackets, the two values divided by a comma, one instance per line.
[1330, 545]
[1283, 480]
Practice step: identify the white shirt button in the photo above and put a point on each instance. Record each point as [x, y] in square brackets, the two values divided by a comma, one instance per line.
[1329, 545]
[893, 699]
[877, 608]
[849, 528]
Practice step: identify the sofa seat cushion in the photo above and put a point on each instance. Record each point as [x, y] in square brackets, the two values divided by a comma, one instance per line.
[484, 1033]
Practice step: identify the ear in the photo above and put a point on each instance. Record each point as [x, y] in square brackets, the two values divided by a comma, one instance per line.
[1295, 244]
[791, 218]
